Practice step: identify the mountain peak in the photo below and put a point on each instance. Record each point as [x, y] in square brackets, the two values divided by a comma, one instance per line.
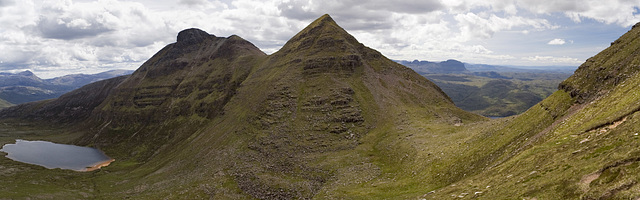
[26, 73]
[326, 18]
[322, 33]
[192, 36]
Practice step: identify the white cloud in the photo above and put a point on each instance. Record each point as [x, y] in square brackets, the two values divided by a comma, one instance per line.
[70, 36]
[556, 41]
[474, 26]
[619, 12]
[64, 36]
[193, 2]
[553, 60]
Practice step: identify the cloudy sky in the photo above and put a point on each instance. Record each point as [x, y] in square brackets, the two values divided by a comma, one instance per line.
[58, 37]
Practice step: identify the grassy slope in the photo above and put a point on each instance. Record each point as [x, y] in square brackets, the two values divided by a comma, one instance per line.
[584, 144]
[573, 148]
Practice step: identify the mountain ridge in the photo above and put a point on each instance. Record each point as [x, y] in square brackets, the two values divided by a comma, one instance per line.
[321, 95]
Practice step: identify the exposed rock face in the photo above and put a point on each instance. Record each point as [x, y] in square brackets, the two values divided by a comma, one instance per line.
[192, 36]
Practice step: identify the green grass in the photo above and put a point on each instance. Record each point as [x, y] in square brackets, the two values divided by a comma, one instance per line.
[597, 137]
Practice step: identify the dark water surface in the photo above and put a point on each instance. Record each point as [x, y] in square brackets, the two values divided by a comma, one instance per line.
[52, 155]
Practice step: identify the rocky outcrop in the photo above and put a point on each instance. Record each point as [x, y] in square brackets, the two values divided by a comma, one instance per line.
[192, 36]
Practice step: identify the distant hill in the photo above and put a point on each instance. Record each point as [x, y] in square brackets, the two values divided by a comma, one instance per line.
[79, 80]
[458, 67]
[27, 87]
[26, 78]
[527, 69]
[426, 67]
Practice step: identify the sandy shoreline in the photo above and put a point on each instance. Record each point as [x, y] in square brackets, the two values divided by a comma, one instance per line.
[99, 165]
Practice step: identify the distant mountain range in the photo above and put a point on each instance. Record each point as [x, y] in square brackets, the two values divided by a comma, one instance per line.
[426, 67]
[473, 87]
[528, 69]
[457, 67]
[17, 88]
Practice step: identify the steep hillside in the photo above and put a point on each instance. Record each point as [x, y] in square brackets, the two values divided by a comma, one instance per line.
[580, 143]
